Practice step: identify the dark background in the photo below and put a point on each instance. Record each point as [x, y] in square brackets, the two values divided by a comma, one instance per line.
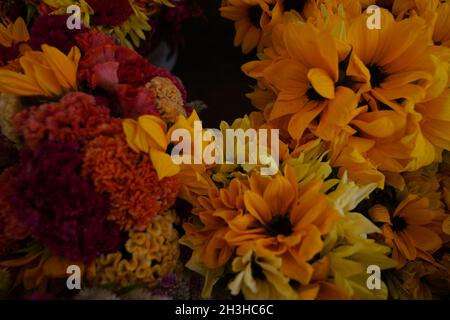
[209, 67]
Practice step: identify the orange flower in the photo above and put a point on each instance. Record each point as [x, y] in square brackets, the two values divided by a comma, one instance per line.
[280, 220]
[312, 80]
[251, 19]
[410, 230]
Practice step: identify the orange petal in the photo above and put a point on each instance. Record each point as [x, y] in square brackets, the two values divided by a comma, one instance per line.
[424, 238]
[321, 82]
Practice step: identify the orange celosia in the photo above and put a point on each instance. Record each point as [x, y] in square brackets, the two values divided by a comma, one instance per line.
[137, 195]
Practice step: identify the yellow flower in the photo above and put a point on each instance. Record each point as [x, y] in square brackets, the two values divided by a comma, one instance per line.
[154, 253]
[410, 282]
[283, 220]
[410, 229]
[310, 164]
[45, 73]
[424, 183]
[38, 268]
[349, 155]
[259, 277]
[348, 247]
[149, 134]
[251, 19]
[13, 33]
[303, 70]
[129, 33]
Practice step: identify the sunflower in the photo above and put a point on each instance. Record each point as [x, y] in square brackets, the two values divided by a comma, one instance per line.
[124, 19]
[45, 73]
[13, 38]
[411, 229]
[252, 18]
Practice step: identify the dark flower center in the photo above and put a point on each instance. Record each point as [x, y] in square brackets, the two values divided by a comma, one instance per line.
[387, 4]
[279, 225]
[377, 75]
[257, 271]
[254, 14]
[398, 224]
[313, 95]
[297, 5]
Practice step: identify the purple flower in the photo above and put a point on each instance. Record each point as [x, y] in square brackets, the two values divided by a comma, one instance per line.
[61, 207]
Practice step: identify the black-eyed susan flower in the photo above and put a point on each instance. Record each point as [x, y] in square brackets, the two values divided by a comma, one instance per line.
[410, 229]
[252, 18]
[308, 74]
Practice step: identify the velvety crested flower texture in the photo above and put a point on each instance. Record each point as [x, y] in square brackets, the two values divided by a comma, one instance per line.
[137, 195]
[150, 254]
[11, 229]
[61, 207]
[77, 117]
[52, 30]
[123, 73]
[110, 13]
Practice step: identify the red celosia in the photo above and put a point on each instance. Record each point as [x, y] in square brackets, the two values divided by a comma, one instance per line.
[52, 30]
[60, 206]
[92, 39]
[77, 117]
[121, 72]
[11, 229]
[131, 181]
[110, 13]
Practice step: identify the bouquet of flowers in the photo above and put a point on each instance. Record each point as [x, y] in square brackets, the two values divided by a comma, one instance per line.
[358, 207]
[361, 101]
[85, 181]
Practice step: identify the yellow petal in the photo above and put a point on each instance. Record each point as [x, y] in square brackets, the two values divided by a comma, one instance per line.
[155, 128]
[130, 129]
[321, 82]
[18, 84]
[20, 33]
[65, 69]
[163, 164]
